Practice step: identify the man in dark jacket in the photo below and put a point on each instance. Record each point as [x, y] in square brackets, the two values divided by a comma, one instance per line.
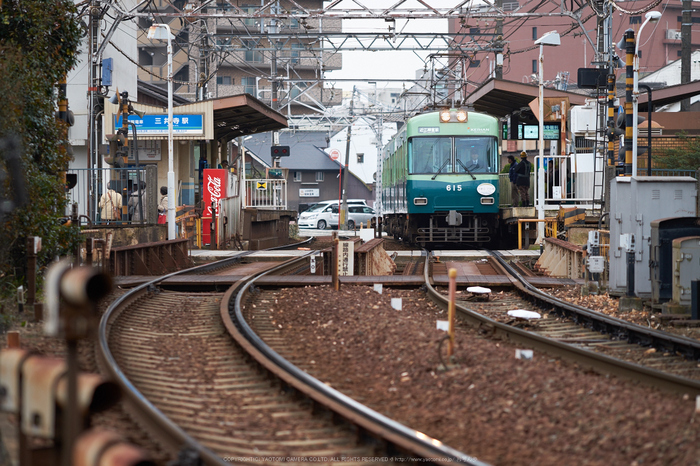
[523, 179]
[513, 176]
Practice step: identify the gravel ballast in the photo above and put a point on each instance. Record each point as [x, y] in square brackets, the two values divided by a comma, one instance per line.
[490, 405]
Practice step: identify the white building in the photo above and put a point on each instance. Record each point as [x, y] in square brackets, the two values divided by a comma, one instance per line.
[671, 75]
[364, 148]
[123, 75]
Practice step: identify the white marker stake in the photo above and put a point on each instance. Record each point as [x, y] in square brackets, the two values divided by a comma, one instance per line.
[396, 303]
[378, 288]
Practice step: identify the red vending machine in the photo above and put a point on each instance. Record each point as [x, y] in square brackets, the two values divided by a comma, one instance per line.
[215, 182]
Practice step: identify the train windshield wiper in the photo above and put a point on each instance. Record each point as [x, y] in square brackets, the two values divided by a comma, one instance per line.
[466, 169]
[440, 169]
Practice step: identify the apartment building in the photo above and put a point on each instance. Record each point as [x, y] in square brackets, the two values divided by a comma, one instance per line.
[223, 56]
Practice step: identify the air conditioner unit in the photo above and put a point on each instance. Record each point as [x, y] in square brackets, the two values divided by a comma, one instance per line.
[672, 34]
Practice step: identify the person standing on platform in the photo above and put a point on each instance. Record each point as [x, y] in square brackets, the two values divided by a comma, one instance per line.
[523, 179]
[136, 206]
[513, 177]
[163, 205]
[110, 204]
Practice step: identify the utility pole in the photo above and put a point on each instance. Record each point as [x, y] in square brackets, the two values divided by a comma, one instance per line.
[498, 71]
[686, 24]
[274, 104]
[343, 220]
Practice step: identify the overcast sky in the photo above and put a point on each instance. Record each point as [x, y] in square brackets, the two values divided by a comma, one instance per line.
[375, 66]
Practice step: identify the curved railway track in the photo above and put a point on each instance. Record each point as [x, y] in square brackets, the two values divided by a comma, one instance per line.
[593, 339]
[190, 384]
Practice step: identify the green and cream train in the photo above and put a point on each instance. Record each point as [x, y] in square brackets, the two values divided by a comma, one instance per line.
[439, 179]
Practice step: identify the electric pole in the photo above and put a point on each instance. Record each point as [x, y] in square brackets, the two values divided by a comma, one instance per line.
[686, 24]
[343, 220]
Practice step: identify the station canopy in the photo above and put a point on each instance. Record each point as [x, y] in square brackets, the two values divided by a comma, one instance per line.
[500, 98]
[241, 115]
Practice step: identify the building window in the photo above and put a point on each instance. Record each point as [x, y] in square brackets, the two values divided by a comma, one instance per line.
[319, 176]
[360, 157]
[294, 22]
[249, 85]
[474, 63]
[252, 55]
[250, 9]
[297, 89]
[295, 53]
[534, 34]
[474, 31]
[224, 80]
[639, 54]
[534, 66]
[679, 53]
[635, 20]
[297, 177]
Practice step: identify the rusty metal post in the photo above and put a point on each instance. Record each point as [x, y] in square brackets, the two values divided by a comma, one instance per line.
[334, 262]
[33, 247]
[89, 248]
[13, 339]
[212, 227]
[451, 310]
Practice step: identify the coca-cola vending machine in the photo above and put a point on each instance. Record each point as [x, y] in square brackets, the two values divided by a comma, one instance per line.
[215, 182]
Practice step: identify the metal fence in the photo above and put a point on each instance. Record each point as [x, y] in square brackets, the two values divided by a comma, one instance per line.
[92, 184]
[564, 185]
[267, 193]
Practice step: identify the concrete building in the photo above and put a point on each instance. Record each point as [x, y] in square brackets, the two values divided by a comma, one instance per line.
[117, 66]
[222, 57]
[661, 42]
[670, 75]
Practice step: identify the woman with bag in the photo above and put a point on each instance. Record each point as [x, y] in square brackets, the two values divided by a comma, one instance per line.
[110, 204]
[163, 206]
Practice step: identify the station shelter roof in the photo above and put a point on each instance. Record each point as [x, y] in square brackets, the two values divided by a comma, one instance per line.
[499, 97]
[223, 118]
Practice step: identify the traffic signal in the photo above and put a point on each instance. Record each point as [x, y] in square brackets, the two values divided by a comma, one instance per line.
[117, 150]
[620, 128]
[279, 151]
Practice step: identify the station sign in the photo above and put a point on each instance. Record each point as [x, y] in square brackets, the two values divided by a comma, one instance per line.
[157, 125]
[346, 258]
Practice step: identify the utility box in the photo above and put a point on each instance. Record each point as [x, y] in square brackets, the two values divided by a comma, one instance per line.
[634, 203]
[686, 268]
[661, 263]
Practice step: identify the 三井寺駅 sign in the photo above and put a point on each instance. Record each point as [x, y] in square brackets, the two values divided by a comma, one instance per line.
[157, 125]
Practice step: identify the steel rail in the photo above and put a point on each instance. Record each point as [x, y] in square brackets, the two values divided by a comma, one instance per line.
[599, 362]
[405, 439]
[620, 329]
[162, 428]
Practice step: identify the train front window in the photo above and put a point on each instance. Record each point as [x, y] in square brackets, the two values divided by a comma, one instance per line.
[476, 154]
[430, 154]
[446, 154]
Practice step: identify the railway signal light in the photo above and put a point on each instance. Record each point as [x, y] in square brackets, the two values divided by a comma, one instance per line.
[279, 151]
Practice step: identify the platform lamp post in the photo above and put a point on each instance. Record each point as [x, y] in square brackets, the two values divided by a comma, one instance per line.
[549, 38]
[652, 16]
[162, 32]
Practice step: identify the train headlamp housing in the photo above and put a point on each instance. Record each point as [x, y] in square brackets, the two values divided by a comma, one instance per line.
[445, 115]
[453, 115]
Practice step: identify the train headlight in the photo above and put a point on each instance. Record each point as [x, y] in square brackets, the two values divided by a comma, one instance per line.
[420, 201]
[486, 189]
[445, 115]
[461, 116]
[487, 201]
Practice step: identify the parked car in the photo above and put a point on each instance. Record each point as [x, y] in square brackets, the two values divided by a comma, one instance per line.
[323, 216]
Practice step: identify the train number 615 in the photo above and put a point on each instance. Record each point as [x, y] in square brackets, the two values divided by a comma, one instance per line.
[454, 187]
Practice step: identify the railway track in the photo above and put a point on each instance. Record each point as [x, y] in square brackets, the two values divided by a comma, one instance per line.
[595, 340]
[190, 384]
